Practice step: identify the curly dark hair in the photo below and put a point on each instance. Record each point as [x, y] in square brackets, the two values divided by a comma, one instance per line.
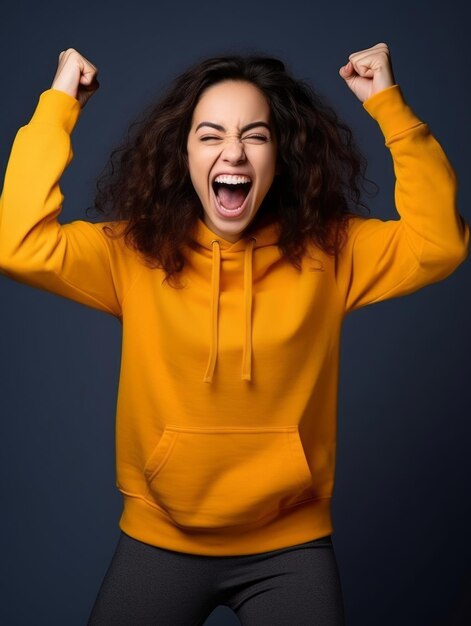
[152, 195]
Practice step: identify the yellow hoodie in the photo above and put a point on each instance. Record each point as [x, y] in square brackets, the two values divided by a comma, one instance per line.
[226, 413]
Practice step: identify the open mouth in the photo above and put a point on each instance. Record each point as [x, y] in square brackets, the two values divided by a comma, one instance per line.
[231, 197]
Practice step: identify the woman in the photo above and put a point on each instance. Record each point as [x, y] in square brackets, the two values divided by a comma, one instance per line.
[231, 261]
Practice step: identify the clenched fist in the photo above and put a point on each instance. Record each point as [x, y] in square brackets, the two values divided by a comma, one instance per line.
[76, 76]
[368, 71]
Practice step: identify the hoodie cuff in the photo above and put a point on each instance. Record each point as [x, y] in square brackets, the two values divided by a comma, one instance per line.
[391, 111]
[58, 108]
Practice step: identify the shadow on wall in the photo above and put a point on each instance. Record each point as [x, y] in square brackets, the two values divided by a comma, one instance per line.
[459, 612]
[222, 616]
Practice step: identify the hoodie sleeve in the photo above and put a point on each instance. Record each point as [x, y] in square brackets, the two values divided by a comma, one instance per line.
[74, 260]
[386, 259]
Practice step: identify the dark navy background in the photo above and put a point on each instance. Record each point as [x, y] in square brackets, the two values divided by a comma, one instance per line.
[402, 497]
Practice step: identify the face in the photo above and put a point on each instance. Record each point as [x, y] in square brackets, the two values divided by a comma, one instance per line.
[231, 134]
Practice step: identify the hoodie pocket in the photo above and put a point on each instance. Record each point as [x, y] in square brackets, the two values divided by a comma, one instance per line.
[222, 477]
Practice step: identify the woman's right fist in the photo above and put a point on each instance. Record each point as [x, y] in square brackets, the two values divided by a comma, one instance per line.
[76, 76]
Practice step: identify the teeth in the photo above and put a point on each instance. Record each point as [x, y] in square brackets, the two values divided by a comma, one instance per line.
[232, 180]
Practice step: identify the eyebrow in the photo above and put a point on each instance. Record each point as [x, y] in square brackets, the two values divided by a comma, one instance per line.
[244, 128]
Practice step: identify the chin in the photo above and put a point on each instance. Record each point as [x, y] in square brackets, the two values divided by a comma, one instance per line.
[232, 226]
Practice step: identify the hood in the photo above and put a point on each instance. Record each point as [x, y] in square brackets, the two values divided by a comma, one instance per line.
[241, 257]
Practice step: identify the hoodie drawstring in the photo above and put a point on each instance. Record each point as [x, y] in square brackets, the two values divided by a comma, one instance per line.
[213, 341]
[215, 282]
[247, 354]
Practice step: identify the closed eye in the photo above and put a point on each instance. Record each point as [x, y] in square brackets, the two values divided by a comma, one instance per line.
[257, 137]
[262, 137]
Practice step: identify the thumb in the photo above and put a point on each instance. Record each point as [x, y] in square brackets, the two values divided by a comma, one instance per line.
[86, 79]
[346, 70]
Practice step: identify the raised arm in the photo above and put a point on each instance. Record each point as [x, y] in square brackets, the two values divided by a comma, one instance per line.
[385, 259]
[75, 260]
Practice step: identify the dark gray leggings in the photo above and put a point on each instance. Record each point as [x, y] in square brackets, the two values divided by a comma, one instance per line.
[149, 586]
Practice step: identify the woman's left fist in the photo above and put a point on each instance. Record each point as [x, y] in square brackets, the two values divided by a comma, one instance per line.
[368, 71]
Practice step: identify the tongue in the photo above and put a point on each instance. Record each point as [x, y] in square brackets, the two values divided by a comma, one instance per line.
[231, 198]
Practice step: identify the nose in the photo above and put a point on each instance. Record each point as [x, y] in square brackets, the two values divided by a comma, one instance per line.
[233, 150]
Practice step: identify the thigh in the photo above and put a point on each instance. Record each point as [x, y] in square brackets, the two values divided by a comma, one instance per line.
[146, 586]
[299, 585]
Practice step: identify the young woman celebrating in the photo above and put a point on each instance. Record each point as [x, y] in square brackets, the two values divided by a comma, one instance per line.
[231, 259]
